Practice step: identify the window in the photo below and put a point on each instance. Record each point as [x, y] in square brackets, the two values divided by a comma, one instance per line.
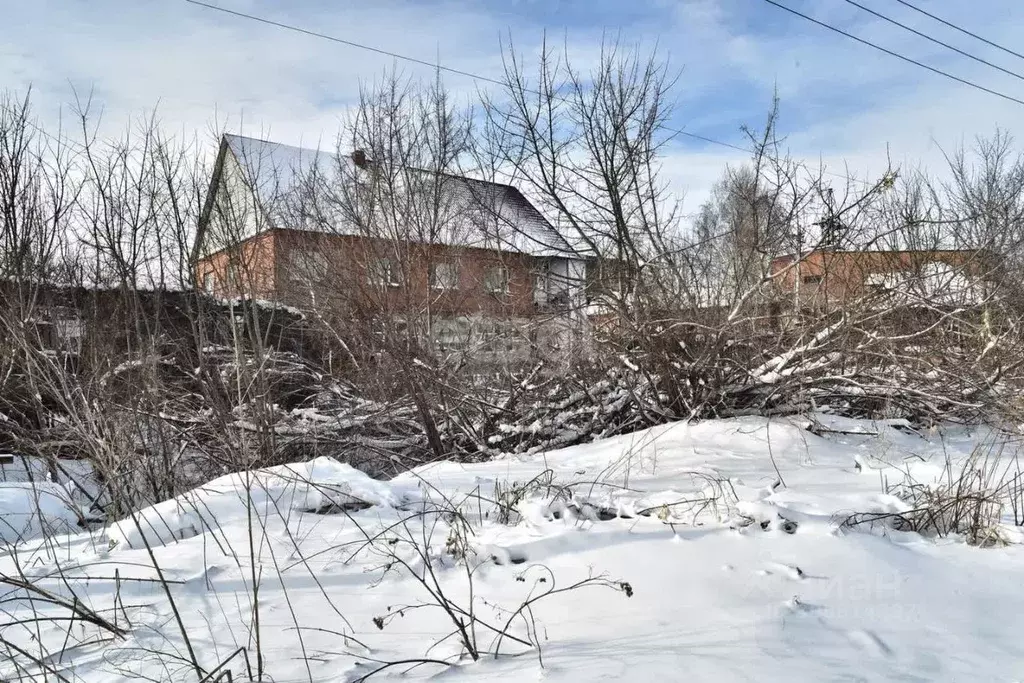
[444, 275]
[811, 279]
[69, 331]
[208, 283]
[382, 272]
[496, 280]
[541, 284]
[307, 266]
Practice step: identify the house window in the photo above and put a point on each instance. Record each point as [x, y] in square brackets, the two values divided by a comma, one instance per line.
[308, 266]
[811, 279]
[69, 332]
[541, 284]
[382, 273]
[444, 275]
[496, 279]
[208, 283]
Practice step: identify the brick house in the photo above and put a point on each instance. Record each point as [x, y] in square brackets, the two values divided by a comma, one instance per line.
[489, 262]
[826, 278]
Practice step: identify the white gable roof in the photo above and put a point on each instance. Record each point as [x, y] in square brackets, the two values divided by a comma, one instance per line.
[476, 213]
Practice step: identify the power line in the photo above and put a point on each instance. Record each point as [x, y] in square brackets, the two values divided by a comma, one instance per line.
[406, 57]
[934, 40]
[962, 30]
[350, 43]
[459, 72]
[897, 55]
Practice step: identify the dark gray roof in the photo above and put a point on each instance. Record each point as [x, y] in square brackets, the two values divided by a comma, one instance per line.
[478, 213]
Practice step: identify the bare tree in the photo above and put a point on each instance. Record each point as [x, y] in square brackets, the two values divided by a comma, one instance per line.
[37, 192]
[586, 145]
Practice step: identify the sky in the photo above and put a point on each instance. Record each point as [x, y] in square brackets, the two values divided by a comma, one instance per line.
[842, 104]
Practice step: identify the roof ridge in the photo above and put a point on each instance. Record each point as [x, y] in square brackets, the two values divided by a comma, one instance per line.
[535, 231]
[264, 141]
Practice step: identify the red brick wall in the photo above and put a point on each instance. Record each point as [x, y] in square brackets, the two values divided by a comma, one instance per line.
[337, 274]
[253, 262]
[844, 274]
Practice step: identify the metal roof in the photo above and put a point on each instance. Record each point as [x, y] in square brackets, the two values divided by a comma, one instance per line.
[465, 212]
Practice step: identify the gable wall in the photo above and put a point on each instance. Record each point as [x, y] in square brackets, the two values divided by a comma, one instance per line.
[253, 263]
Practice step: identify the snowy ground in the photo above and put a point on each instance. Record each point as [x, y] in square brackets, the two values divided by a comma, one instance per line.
[727, 532]
[33, 502]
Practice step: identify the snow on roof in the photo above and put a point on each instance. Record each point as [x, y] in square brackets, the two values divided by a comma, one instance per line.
[935, 282]
[476, 213]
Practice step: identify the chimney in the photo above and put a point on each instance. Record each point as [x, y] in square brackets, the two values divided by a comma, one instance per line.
[359, 158]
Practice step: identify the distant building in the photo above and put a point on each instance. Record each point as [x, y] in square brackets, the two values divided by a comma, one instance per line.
[827, 278]
[487, 256]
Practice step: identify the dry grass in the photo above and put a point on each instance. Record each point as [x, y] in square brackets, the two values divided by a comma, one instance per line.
[970, 499]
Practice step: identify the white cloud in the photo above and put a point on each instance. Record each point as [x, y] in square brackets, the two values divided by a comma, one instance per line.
[196, 64]
[841, 102]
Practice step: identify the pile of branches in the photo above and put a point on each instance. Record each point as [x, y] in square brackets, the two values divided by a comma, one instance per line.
[544, 411]
[166, 409]
[155, 427]
[162, 391]
[925, 367]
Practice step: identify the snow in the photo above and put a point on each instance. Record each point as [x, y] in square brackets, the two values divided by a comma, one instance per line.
[32, 504]
[31, 509]
[936, 282]
[21, 468]
[275, 491]
[729, 533]
[266, 304]
[475, 213]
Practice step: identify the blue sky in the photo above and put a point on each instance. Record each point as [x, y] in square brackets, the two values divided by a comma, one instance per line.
[842, 103]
